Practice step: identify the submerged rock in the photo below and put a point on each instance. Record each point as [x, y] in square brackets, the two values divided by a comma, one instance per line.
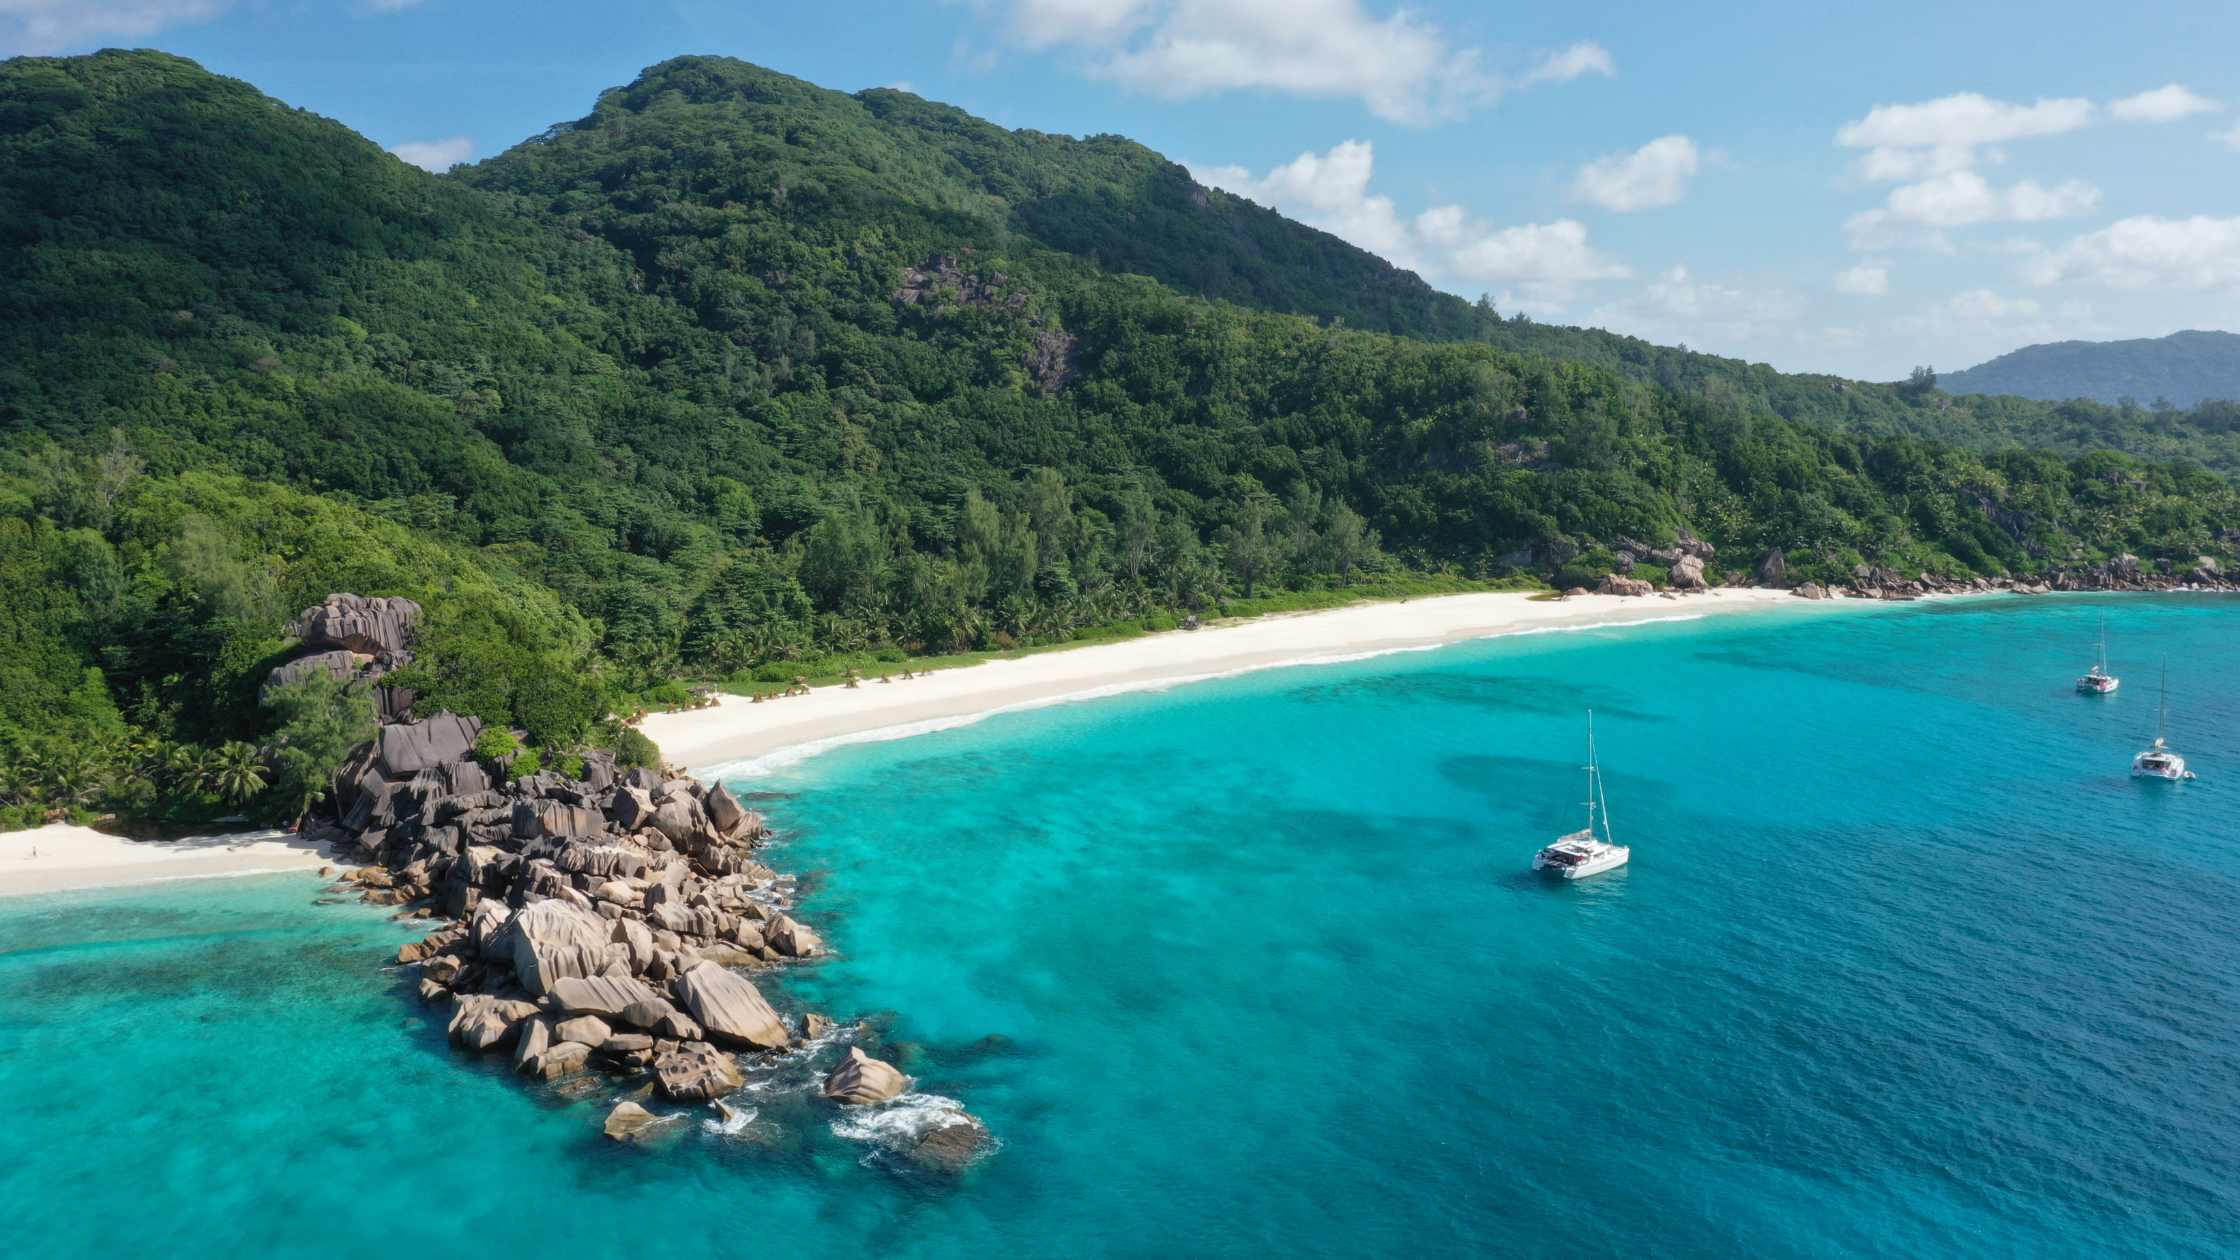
[860, 1079]
[951, 1147]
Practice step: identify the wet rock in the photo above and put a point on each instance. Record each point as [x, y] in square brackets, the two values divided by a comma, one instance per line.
[559, 1059]
[432, 992]
[730, 1007]
[627, 1119]
[536, 1038]
[481, 1024]
[814, 1026]
[792, 939]
[696, 1072]
[950, 1147]
[861, 1079]
[430, 947]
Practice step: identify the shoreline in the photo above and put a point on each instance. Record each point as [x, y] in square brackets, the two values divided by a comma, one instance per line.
[60, 857]
[741, 738]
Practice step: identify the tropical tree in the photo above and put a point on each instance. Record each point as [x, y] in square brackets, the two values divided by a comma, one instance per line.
[240, 771]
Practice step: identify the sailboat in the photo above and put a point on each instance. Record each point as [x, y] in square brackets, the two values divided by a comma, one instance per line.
[2098, 680]
[1581, 854]
[2159, 762]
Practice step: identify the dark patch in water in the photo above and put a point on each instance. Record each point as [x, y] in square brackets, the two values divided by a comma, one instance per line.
[1513, 694]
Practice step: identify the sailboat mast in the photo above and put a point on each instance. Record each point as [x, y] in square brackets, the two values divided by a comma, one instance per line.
[2162, 713]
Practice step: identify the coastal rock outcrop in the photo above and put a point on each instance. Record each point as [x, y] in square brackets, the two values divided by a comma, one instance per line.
[861, 1079]
[1616, 585]
[730, 1007]
[627, 1119]
[1687, 572]
[696, 1072]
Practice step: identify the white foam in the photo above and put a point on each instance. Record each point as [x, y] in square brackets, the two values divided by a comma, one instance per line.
[793, 754]
[733, 1123]
[899, 1121]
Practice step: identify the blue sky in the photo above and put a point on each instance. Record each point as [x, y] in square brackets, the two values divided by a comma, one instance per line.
[1840, 189]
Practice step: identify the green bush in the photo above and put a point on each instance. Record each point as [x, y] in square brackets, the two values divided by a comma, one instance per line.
[670, 693]
[495, 744]
[632, 750]
[527, 763]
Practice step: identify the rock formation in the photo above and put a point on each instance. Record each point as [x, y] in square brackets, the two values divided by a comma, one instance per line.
[859, 1079]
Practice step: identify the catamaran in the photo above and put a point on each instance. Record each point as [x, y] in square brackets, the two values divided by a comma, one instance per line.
[2159, 762]
[2098, 680]
[1580, 854]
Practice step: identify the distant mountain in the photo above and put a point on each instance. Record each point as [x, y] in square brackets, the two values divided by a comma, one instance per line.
[2184, 367]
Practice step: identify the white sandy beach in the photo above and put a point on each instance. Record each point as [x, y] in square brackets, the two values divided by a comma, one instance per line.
[58, 857]
[740, 731]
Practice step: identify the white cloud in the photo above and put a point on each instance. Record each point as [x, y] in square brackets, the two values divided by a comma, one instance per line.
[48, 26]
[1906, 142]
[1867, 278]
[1656, 174]
[2163, 104]
[2229, 138]
[1676, 306]
[437, 155]
[2146, 252]
[1402, 68]
[1569, 64]
[1965, 120]
[1960, 198]
[1549, 263]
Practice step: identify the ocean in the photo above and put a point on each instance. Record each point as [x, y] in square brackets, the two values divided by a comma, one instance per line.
[1905, 965]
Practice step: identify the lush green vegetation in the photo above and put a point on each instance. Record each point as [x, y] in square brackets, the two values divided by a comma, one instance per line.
[738, 379]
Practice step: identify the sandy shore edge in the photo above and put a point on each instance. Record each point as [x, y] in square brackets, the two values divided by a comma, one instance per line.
[59, 858]
[739, 739]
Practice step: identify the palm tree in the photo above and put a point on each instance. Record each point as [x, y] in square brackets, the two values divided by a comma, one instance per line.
[182, 765]
[241, 771]
[308, 794]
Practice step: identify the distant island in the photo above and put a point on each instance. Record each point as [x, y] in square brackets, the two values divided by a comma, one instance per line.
[2179, 371]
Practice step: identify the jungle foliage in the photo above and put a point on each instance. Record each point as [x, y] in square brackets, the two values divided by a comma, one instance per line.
[736, 375]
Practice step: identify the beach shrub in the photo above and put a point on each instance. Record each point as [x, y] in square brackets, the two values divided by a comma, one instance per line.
[632, 750]
[527, 763]
[322, 720]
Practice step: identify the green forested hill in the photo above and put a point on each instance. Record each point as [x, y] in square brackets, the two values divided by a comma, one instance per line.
[737, 372]
[2173, 373]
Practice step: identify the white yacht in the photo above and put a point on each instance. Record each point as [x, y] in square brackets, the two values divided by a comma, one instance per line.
[1581, 854]
[2159, 762]
[2098, 681]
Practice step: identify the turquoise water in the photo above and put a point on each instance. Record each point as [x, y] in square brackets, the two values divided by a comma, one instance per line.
[1905, 965]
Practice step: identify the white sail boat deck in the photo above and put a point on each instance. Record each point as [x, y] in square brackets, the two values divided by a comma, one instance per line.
[2159, 762]
[2099, 682]
[1581, 853]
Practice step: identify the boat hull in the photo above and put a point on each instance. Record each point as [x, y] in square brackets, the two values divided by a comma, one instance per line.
[2098, 686]
[1595, 865]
